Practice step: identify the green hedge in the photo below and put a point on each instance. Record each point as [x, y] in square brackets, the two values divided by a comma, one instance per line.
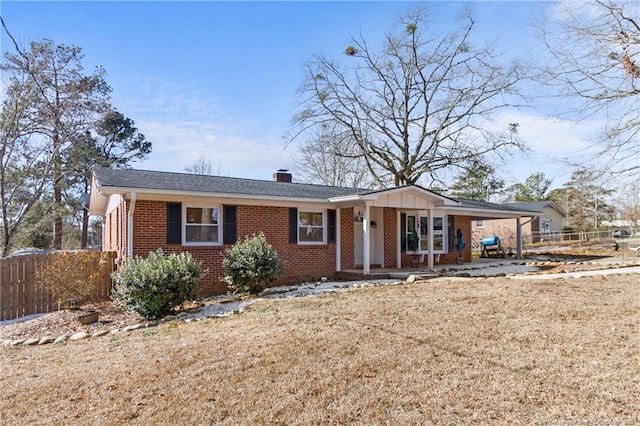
[251, 265]
[155, 285]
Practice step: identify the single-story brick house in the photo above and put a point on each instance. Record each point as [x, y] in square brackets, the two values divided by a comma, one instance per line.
[550, 221]
[317, 230]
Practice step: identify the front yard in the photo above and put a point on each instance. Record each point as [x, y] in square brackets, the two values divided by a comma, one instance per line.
[489, 350]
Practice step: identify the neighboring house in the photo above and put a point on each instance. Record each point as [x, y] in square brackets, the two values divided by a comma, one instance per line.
[317, 230]
[549, 221]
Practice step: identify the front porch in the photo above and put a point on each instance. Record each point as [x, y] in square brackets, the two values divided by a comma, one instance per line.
[409, 228]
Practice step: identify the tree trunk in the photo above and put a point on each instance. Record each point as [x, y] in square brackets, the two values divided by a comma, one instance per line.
[57, 201]
[57, 172]
[57, 233]
[85, 228]
[57, 188]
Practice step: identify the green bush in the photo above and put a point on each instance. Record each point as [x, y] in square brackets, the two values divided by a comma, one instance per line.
[251, 265]
[155, 285]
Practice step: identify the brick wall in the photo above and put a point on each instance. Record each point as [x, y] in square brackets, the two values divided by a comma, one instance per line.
[505, 229]
[302, 262]
[390, 237]
[464, 223]
[347, 242]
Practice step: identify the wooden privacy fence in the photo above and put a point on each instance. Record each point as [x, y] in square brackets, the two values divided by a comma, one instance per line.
[22, 291]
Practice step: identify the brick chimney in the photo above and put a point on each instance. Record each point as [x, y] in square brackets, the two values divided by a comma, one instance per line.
[282, 175]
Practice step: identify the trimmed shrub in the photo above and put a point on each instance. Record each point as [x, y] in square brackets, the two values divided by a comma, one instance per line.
[251, 265]
[155, 285]
[75, 275]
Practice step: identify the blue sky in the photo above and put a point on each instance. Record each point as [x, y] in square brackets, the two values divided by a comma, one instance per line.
[220, 79]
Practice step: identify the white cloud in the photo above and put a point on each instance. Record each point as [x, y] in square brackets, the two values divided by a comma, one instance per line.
[566, 9]
[176, 145]
[553, 145]
[185, 123]
[586, 9]
[551, 136]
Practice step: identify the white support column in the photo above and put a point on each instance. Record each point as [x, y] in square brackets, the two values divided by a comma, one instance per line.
[366, 236]
[518, 239]
[430, 234]
[338, 243]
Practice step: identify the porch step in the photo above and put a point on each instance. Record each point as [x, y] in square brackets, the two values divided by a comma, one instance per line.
[399, 275]
[349, 275]
[420, 276]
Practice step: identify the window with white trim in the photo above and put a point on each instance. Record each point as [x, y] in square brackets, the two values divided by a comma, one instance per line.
[417, 228]
[479, 223]
[545, 225]
[412, 234]
[201, 225]
[438, 234]
[311, 227]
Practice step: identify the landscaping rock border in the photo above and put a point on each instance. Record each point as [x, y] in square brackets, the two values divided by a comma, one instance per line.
[227, 307]
[80, 335]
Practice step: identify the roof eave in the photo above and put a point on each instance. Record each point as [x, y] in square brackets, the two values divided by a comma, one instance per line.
[374, 195]
[346, 198]
[147, 191]
[97, 200]
[490, 213]
[557, 208]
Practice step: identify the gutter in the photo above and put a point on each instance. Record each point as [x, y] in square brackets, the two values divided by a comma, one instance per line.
[105, 191]
[132, 207]
[489, 213]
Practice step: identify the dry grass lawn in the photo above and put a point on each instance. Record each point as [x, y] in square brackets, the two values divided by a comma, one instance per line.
[437, 352]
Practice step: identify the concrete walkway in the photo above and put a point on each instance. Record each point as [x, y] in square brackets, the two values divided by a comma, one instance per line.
[512, 268]
[623, 270]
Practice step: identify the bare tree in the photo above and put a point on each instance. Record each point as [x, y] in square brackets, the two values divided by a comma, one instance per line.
[50, 107]
[66, 101]
[203, 166]
[26, 161]
[596, 50]
[328, 160]
[419, 105]
[629, 206]
[584, 198]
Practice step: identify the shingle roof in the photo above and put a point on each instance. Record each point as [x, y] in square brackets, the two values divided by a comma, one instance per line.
[477, 204]
[168, 181]
[537, 206]
[132, 179]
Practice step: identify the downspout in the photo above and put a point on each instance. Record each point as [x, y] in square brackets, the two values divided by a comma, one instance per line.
[132, 207]
[338, 243]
